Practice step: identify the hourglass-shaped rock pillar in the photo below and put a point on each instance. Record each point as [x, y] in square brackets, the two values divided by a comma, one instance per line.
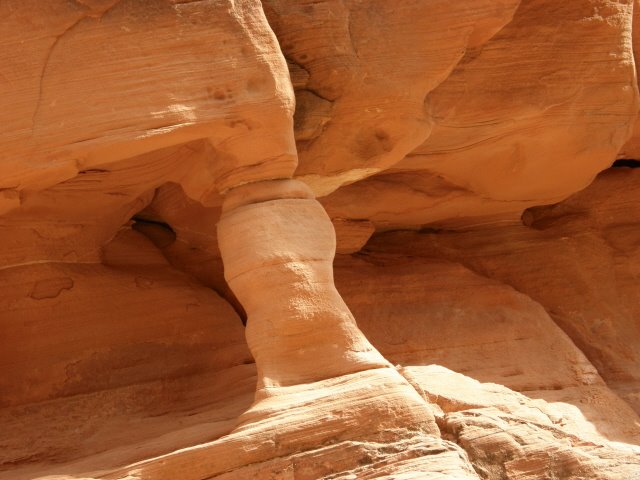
[278, 244]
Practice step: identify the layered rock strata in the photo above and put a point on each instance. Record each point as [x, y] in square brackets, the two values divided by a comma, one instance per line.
[133, 128]
[309, 353]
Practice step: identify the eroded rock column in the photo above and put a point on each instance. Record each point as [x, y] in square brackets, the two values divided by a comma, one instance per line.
[278, 245]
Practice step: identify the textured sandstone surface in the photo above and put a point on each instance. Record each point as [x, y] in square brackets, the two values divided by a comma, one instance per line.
[305, 239]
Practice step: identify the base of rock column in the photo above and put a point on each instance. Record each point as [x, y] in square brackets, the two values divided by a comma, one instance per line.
[363, 425]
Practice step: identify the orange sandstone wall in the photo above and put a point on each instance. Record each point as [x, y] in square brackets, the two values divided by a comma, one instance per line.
[302, 239]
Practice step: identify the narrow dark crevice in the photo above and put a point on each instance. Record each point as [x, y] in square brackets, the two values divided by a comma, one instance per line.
[143, 220]
[626, 163]
[163, 236]
[160, 233]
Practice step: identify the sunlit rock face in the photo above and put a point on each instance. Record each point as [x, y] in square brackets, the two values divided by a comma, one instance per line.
[319, 239]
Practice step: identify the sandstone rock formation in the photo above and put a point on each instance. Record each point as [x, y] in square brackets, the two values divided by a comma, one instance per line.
[177, 177]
